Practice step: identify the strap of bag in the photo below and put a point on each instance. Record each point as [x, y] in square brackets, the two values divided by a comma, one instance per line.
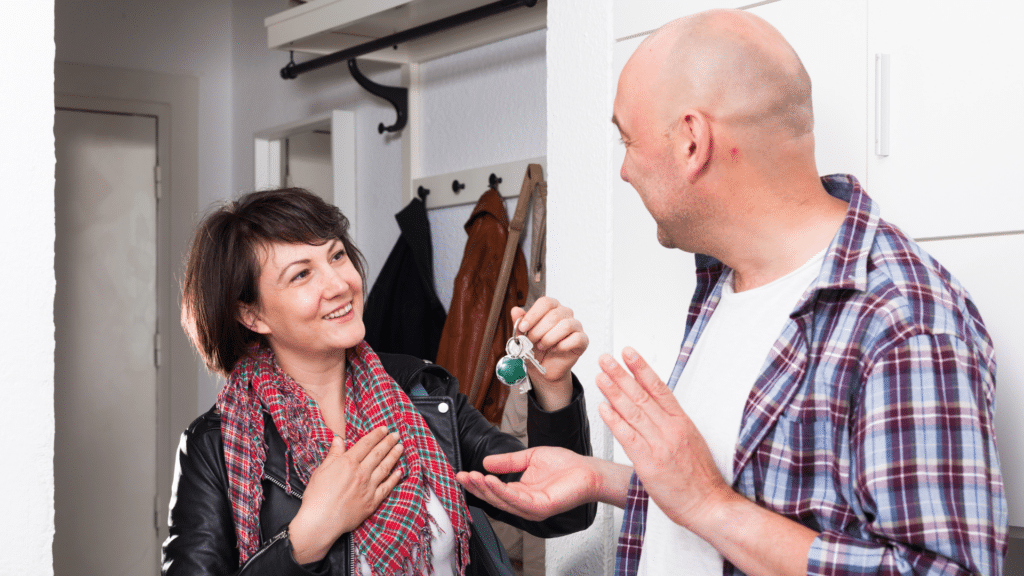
[534, 176]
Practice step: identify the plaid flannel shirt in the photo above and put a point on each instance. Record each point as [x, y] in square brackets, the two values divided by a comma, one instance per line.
[872, 421]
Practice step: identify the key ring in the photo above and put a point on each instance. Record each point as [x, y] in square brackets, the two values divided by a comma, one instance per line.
[511, 368]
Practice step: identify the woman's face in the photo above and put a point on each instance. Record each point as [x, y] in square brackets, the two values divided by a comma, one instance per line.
[310, 300]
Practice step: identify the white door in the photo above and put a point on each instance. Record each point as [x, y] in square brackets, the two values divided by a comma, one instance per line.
[105, 314]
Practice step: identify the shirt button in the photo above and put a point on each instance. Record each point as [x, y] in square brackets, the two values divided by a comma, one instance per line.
[442, 407]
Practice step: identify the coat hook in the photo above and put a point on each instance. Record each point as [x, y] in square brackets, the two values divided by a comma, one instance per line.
[456, 186]
[396, 95]
[493, 180]
[423, 193]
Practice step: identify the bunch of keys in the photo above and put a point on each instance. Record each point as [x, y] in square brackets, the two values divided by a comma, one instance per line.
[511, 368]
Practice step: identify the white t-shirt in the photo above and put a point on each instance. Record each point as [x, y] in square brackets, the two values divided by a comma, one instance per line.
[713, 390]
[443, 545]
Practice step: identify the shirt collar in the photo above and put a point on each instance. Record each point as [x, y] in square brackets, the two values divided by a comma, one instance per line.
[846, 263]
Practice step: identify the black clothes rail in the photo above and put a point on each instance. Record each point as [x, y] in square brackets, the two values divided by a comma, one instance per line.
[292, 70]
[398, 96]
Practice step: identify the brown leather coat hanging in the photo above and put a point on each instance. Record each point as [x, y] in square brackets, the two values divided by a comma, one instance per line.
[465, 327]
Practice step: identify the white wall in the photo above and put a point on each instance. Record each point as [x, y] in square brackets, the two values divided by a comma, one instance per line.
[580, 218]
[27, 290]
[481, 107]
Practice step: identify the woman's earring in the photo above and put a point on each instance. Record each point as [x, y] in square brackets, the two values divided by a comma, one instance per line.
[511, 368]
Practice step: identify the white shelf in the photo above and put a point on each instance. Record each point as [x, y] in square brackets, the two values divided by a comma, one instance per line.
[327, 26]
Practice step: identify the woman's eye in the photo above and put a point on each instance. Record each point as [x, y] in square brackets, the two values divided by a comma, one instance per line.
[300, 275]
[338, 255]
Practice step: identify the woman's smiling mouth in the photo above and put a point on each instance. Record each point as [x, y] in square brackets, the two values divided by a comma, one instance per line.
[340, 312]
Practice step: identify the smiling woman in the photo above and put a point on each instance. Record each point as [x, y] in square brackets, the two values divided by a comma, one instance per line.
[314, 459]
[310, 306]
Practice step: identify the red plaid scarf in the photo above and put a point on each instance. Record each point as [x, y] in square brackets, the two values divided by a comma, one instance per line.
[399, 530]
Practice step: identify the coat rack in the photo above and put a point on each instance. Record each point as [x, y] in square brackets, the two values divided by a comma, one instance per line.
[466, 186]
[398, 96]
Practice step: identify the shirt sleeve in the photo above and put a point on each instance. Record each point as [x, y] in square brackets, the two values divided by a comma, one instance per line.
[924, 466]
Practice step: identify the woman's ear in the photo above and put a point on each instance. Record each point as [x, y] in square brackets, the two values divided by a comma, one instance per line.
[248, 316]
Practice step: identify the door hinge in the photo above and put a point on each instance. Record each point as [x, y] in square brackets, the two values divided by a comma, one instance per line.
[156, 349]
[157, 181]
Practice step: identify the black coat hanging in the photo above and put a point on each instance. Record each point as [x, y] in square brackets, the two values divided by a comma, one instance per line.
[403, 313]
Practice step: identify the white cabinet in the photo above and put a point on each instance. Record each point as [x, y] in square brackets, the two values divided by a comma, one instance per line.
[834, 58]
[634, 17]
[956, 97]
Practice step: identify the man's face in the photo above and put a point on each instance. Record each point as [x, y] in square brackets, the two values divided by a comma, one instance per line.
[649, 164]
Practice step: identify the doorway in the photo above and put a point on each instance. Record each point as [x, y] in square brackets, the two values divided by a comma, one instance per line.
[173, 101]
[106, 321]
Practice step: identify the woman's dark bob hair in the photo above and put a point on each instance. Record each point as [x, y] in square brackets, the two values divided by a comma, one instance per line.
[223, 266]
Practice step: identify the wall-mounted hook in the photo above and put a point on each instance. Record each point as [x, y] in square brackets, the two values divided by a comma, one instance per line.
[396, 95]
[423, 193]
[493, 180]
[457, 186]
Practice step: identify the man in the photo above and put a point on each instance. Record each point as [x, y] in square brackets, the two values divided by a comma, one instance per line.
[831, 411]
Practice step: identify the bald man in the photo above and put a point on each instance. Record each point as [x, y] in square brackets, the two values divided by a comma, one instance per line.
[831, 411]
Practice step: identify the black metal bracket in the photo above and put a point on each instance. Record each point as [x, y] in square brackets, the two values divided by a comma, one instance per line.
[396, 95]
[292, 70]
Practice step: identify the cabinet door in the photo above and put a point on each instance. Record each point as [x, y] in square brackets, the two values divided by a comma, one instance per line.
[830, 38]
[995, 289]
[638, 16]
[956, 96]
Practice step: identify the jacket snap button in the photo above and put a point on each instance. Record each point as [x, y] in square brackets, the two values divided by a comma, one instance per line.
[442, 407]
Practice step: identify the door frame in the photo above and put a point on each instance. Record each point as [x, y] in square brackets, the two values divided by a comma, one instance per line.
[269, 157]
[174, 100]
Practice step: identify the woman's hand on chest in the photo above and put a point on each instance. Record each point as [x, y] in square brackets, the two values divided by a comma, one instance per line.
[344, 490]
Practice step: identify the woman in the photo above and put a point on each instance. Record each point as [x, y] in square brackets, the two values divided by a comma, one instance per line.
[314, 459]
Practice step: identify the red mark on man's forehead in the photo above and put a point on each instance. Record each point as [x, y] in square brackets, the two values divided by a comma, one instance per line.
[734, 153]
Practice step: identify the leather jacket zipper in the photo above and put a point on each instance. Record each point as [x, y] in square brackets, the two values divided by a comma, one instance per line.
[293, 491]
[278, 537]
[352, 556]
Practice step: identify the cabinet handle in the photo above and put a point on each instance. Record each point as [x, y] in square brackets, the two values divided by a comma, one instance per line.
[882, 104]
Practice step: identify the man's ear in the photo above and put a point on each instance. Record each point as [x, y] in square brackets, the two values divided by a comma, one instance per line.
[696, 142]
[249, 317]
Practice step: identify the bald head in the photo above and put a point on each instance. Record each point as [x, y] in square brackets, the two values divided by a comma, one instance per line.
[732, 66]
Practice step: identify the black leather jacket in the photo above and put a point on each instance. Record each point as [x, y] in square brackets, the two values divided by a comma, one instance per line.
[202, 537]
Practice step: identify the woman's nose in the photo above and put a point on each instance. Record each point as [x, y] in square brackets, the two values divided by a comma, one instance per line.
[335, 283]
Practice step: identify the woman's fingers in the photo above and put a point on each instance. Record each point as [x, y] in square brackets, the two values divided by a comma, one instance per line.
[386, 487]
[366, 444]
